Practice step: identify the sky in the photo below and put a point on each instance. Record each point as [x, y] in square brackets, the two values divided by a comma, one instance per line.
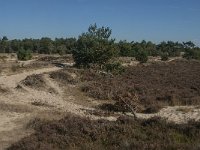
[132, 20]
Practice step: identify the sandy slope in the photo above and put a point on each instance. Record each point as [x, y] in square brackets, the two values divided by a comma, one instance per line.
[12, 80]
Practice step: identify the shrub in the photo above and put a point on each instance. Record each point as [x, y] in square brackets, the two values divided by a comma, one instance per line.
[142, 56]
[24, 54]
[164, 57]
[114, 67]
[192, 53]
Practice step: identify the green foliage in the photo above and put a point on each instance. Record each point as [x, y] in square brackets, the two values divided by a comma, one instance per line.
[172, 48]
[164, 57]
[24, 54]
[141, 56]
[125, 49]
[61, 50]
[94, 47]
[192, 53]
[114, 67]
[46, 46]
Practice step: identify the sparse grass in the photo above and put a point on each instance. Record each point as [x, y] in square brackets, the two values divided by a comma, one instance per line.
[39, 103]
[185, 109]
[14, 108]
[34, 81]
[63, 77]
[15, 68]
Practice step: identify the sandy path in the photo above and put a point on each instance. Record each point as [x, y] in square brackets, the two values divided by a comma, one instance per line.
[12, 80]
[177, 114]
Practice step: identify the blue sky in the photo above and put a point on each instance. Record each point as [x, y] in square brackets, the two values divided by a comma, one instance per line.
[133, 20]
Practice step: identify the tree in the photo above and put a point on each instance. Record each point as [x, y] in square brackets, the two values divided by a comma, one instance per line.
[189, 44]
[192, 53]
[94, 47]
[61, 49]
[15, 45]
[151, 49]
[4, 45]
[70, 44]
[125, 49]
[46, 46]
[27, 44]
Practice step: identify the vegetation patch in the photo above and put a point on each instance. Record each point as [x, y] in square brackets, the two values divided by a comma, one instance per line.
[156, 85]
[23, 54]
[63, 77]
[56, 59]
[39, 103]
[73, 132]
[34, 81]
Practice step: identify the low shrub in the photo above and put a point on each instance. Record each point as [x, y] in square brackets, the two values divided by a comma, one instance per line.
[24, 54]
[192, 54]
[114, 67]
[63, 77]
[141, 56]
[164, 57]
[73, 132]
[34, 81]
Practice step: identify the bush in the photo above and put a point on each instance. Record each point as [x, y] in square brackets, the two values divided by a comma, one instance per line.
[141, 56]
[164, 57]
[114, 67]
[192, 53]
[24, 54]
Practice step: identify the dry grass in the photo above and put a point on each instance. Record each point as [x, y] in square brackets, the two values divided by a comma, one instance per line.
[3, 90]
[34, 81]
[39, 103]
[14, 108]
[63, 77]
[185, 110]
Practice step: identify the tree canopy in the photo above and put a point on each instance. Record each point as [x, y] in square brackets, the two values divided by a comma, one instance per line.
[94, 47]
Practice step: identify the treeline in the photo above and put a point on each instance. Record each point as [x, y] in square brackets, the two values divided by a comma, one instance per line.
[122, 48]
[43, 46]
[164, 49]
